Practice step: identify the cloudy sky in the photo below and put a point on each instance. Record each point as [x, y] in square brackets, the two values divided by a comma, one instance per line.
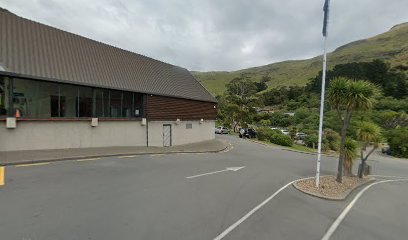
[216, 34]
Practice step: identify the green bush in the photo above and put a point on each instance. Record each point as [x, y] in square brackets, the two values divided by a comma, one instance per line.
[281, 139]
[264, 133]
[311, 140]
[398, 141]
[274, 136]
[331, 140]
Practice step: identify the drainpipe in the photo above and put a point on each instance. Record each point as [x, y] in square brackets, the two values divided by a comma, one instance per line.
[147, 133]
[147, 121]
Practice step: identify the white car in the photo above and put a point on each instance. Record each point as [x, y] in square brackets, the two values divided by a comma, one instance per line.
[285, 131]
[221, 130]
[301, 135]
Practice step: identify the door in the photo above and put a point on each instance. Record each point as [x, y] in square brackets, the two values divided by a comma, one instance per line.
[166, 135]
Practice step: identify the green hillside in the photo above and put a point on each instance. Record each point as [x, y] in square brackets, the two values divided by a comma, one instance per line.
[391, 46]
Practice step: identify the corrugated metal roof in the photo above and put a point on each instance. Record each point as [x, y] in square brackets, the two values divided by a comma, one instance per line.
[32, 49]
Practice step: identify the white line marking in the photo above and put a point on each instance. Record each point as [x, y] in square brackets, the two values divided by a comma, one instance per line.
[246, 216]
[157, 155]
[32, 164]
[225, 170]
[130, 156]
[87, 159]
[384, 176]
[340, 218]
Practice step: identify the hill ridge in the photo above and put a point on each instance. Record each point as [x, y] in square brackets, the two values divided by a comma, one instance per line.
[390, 46]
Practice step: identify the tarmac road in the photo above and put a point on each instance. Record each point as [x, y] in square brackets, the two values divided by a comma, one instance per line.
[150, 197]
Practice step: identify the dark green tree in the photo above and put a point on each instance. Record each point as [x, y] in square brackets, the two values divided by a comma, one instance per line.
[345, 97]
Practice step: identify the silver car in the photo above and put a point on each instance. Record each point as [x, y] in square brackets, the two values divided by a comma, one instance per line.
[221, 130]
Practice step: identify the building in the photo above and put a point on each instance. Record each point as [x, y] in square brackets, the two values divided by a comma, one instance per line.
[60, 90]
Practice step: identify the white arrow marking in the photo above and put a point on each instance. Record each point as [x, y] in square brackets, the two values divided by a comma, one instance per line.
[225, 170]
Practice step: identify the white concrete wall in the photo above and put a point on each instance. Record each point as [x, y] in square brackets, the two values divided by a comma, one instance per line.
[180, 135]
[34, 135]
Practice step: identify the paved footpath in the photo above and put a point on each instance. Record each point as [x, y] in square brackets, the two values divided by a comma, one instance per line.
[187, 196]
[36, 156]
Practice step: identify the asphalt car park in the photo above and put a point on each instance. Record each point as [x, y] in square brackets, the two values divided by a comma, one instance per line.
[239, 194]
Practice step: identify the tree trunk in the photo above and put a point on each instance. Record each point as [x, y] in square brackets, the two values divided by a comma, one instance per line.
[363, 160]
[342, 145]
[348, 167]
[361, 167]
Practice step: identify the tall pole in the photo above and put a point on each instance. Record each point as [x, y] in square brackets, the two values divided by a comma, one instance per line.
[319, 146]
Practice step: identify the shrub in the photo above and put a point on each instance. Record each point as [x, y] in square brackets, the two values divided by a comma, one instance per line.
[265, 122]
[280, 139]
[398, 141]
[274, 136]
[311, 140]
[331, 139]
[264, 133]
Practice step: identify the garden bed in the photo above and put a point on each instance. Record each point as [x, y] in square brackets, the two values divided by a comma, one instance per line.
[330, 188]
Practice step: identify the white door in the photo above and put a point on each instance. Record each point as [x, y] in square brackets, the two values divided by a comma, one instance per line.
[166, 135]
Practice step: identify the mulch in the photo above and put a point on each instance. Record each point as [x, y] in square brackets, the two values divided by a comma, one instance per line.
[329, 188]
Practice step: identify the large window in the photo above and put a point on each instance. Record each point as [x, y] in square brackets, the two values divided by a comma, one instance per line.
[68, 101]
[85, 102]
[39, 99]
[138, 105]
[4, 96]
[102, 103]
[127, 104]
[115, 103]
[35, 99]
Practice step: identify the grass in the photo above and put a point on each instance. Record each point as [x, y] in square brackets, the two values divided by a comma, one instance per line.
[293, 147]
[391, 46]
[303, 148]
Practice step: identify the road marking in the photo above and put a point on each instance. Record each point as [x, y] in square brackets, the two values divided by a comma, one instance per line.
[384, 176]
[225, 170]
[246, 216]
[2, 173]
[32, 164]
[87, 159]
[343, 214]
[157, 155]
[130, 156]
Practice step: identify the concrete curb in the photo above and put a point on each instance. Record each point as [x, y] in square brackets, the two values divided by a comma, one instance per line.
[341, 198]
[310, 153]
[290, 150]
[60, 159]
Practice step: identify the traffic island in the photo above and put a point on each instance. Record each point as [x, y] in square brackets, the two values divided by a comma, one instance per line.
[329, 188]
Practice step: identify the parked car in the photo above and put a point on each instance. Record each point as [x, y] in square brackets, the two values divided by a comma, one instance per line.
[300, 136]
[247, 133]
[221, 130]
[386, 150]
[285, 131]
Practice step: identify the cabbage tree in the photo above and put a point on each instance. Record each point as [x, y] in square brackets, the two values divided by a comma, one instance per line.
[368, 133]
[345, 97]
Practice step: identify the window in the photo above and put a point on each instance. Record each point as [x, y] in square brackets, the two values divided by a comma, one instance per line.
[68, 101]
[102, 103]
[4, 96]
[85, 102]
[40, 99]
[189, 125]
[138, 104]
[115, 104]
[35, 99]
[55, 103]
[127, 104]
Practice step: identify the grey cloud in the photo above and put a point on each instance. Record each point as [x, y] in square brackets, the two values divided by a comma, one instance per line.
[216, 34]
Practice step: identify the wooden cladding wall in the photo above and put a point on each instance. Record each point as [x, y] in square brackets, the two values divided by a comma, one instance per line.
[168, 108]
